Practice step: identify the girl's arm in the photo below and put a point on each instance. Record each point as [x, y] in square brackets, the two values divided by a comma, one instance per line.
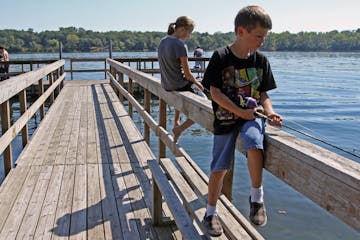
[188, 75]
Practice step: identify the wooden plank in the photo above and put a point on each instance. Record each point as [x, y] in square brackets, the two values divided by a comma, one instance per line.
[95, 227]
[232, 221]
[61, 227]
[78, 226]
[138, 205]
[30, 219]
[43, 150]
[195, 206]
[139, 152]
[134, 152]
[325, 177]
[16, 214]
[101, 139]
[183, 221]
[48, 211]
[42, 134]
[92, 130]
[129, 228]
[70, 107]
[137, 149]
[118, 154]
[56, 132]
[9, 191]
[74, 135]
[112, 226]
[82, 139]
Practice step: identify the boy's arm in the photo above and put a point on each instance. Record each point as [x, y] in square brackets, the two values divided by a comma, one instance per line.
[269, 111]
[225, 102]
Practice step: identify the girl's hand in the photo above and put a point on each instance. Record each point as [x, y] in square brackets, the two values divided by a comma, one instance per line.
[199, 85]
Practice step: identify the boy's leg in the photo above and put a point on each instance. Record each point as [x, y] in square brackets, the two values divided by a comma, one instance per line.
[223, 155]
[255, 166]
[215, 185]
[211, 219]
[252, 134]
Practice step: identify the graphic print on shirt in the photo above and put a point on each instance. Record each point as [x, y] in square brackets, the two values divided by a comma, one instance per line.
[238, 85]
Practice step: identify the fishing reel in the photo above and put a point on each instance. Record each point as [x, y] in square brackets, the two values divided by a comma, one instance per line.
[247, 102]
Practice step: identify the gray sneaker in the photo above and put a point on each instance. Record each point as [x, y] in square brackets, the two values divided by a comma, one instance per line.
[212, 225]
[257, 213]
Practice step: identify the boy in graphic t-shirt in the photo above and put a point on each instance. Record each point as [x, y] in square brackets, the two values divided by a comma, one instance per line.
[238, 77]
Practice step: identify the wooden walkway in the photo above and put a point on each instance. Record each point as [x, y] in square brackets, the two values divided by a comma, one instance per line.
[84, 175]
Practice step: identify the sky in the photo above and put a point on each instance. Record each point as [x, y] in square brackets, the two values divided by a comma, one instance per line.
[155, 15]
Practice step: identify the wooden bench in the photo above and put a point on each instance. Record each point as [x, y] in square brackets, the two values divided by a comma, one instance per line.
[182, 219]
[191, 188]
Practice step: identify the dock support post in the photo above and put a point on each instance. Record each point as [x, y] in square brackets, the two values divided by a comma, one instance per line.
[23, 108]
[51, 81]
[60, 50]
[147, 102]
[110, 48]
[162, 123]
[131, 91]
[41, 92]
[157, 204]
[121, 82]
[5, 125]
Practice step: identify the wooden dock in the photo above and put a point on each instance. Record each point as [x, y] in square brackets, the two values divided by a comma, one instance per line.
[84, 175]
[88, 173]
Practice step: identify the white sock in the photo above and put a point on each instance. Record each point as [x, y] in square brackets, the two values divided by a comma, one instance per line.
[257, 194]
[210, 210]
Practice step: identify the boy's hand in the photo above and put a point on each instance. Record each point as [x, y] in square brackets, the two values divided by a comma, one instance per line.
[275, 120]
[246, 114]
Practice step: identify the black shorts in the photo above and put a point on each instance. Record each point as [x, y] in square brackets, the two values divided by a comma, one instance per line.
[186, 88]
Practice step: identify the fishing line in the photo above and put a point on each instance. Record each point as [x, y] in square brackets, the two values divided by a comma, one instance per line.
[309, 135]
[306, 134]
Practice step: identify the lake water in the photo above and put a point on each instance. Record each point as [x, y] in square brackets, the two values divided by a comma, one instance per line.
[318, 93]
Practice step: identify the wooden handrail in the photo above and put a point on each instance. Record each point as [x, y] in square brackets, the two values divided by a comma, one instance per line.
[71, 69]
[18, 85]
[21, 82]
[321, 175]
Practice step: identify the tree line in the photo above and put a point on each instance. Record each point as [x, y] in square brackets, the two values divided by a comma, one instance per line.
[80, 40]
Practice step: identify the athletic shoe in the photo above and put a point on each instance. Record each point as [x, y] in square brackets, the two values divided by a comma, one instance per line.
[212, 225]
[257, 213]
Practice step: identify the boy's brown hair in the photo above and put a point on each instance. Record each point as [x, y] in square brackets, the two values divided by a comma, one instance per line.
[248, 17]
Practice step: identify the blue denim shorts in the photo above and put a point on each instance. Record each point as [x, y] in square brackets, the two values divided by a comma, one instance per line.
[252, 135]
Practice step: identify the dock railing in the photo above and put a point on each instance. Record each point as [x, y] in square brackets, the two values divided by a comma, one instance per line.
[54, 74]
[76, 65]
[328, 179]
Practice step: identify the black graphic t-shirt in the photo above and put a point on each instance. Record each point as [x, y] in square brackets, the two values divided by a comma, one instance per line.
[238, 79]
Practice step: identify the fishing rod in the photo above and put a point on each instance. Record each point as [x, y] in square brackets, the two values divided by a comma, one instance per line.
[258, 114]
[308, 135]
